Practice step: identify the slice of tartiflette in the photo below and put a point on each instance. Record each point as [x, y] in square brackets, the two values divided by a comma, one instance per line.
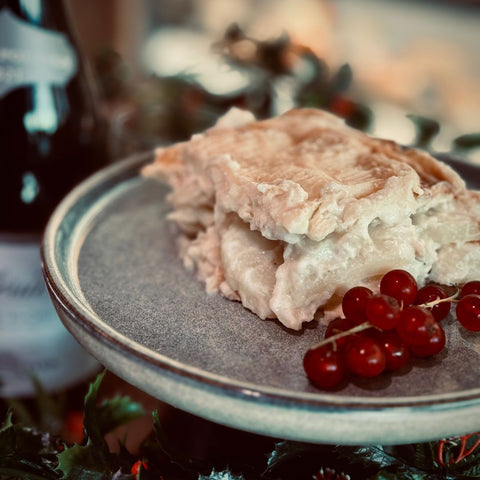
[287, 213]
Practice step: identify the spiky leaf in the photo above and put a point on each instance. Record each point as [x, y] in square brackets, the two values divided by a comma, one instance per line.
[118, 411]
[385, 475]
[93, 460]
[221, 475]
[25, 452]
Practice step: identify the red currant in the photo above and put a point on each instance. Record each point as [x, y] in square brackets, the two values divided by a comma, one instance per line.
[400, 285]
[468, 312]
[354, 302]
[339, 325]
[416, 325]
[395, 349]
[436, 343]
[139, 464]
[324, 366]
[430, 293]
[470, 287]
[365, 357]
[382, 311]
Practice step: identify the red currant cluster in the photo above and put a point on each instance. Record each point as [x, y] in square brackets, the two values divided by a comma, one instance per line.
[380, 332]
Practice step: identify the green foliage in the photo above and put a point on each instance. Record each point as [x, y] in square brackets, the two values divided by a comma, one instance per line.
[28, 453]
[286, 452]
[223, 475]
[467, 141]
[47, 413]
[92, 460]
[426, 130]
[385, 475]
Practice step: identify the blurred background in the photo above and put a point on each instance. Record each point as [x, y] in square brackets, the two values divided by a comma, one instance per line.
[405, 70]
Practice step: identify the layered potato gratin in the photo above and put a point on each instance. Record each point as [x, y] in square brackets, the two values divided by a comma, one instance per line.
[286, 214]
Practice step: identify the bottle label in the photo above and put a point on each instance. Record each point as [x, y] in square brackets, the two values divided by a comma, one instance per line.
[33, 341]
[30, 55]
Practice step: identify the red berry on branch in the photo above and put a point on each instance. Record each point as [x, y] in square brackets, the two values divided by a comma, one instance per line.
[365, 357]
[416, 325]
[400, 285]
[468, 312]
[324, 366]
[430, 293]
[436, 343]
[396, 351]
[354, 302]
[382, 311]
[339, 325]
[472, 287]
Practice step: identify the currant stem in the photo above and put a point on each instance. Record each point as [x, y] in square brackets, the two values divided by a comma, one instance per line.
[438, 300]
[333, 338]
[366, 325]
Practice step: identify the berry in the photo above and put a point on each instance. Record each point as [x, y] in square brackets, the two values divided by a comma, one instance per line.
[365, 357]
[354, 302]
[468, 312]
[400, 285]
[139, 464]
[430, 293]
[394, 348]
[436, 343]
[416, 325]
[470, 287]
[381, 331]
[339, 325]
[73, 430]
[382, 311]
[324, 366]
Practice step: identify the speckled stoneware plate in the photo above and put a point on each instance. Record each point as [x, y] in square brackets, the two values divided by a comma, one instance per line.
[111, 265]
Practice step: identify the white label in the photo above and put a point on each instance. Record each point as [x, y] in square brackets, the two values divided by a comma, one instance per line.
[33, 341]
[31, 55]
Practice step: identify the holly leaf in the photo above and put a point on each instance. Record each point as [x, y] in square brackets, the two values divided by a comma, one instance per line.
[405, 475]
[295, 460]
[221, 475]
[117, 411]
[286, 451]
[422, 456]
[93, 460]
[25, 452]
[91, 419]
[372, 456]
[85, 462]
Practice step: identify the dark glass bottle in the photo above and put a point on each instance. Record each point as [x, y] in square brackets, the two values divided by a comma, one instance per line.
[51, 138]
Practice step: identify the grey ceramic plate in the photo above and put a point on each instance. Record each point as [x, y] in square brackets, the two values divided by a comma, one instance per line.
[111, 266]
